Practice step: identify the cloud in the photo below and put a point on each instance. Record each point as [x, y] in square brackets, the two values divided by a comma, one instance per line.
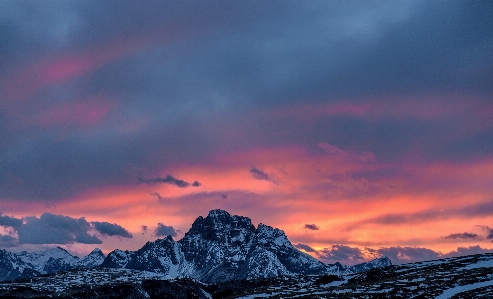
[478, 209]
[144, 228]
[347, 155]
[341, 253]
[111, 229]
[260, 175]
[305, 247]
[461, 251]
[55, 229]
[311, 227]
[157, 195]
[169, 180]
[163, 231]
[462, 236]
[7, 241]
[488, 230]
[399, 255]
[10, 221]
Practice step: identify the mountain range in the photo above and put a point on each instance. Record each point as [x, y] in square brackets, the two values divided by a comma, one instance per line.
[217, 248]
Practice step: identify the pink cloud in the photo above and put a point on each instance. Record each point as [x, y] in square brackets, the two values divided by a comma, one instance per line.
[342, 154]
[28, 80]
[82, 114]
[429, 107]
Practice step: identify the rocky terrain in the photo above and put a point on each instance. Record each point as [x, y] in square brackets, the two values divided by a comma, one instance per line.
[461, 277]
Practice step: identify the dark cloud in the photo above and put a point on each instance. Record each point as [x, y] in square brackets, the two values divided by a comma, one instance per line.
[7, 241]
[305, 247]
[183, 76]
[169, 180]
[341, 253]
[55, 229]
[311, 227]
[260, 175]
[488, 230]
[144, 228]
[157, 195]
[10, 221]
[400, 255]
[462, 236]
[163, 231]
[111, 229]
[461, 251]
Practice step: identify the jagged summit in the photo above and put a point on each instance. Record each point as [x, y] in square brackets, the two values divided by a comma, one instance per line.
[220, 226]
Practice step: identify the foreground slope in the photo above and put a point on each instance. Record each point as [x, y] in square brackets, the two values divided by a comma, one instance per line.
[461, 277]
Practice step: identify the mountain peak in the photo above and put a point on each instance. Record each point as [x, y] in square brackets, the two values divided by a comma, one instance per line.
[218, 213]
[96, 252]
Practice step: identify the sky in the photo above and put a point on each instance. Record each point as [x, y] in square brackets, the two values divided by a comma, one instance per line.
[360, 128]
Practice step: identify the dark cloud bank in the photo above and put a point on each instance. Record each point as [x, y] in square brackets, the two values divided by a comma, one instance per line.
[57, 229]
[187, 71]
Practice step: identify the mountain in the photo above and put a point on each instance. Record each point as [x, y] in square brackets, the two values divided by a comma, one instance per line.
[30, 264]
[221, 247]
[381, 262]
[93, 259]
[49, 261]
[12, 267]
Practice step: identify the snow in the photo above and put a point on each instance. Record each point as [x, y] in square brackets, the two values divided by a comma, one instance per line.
[263, 295]
[459, 289]
[481, 264]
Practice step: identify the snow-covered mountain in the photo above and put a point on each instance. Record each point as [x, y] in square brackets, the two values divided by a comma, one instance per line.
[49, 261]
[221, 247]
[12, 267]
[29, 264]
[217, 248]
[93, 259]
[366, 266]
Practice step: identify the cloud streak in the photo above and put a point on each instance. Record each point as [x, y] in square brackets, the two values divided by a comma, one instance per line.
[57, 229]
[163, 231]
[169, 180]
[311, 227]
[262, 176]
[462, 236]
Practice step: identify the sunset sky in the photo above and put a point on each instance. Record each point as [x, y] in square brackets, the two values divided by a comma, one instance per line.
[360, 128]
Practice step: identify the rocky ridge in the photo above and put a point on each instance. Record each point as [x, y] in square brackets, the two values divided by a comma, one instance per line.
[221, 247]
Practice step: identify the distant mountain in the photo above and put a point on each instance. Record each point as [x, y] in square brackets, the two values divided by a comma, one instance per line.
[217, 248]
[93, 259]
[363, 267]
[12, 267]
[30, 264]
